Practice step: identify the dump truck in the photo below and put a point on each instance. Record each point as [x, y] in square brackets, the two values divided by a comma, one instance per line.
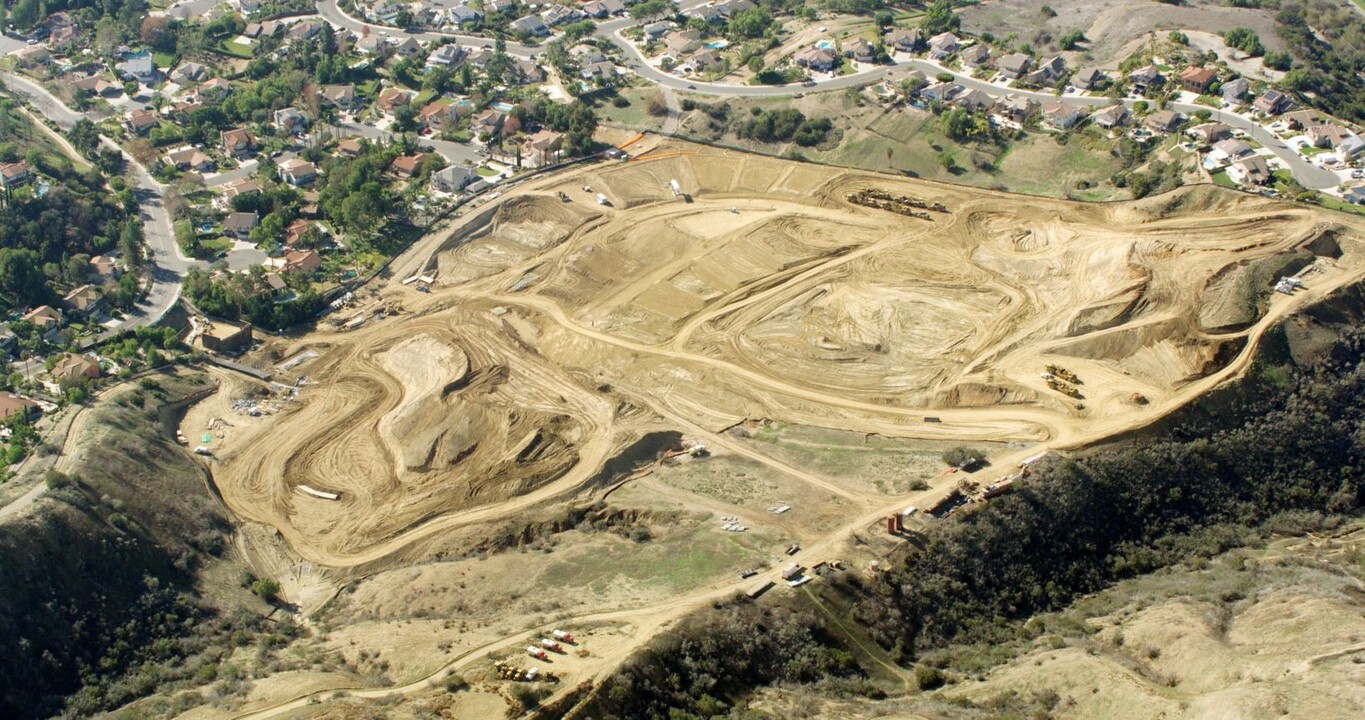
[563, 636]
[537, 653]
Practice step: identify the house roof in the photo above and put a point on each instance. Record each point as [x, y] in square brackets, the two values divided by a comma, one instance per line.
[11, 404]
[74, 366]
[240, 221]
[1198, 75]
[42, 315]
[407, 164]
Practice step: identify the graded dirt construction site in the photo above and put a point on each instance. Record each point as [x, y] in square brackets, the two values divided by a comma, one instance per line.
[574, 326]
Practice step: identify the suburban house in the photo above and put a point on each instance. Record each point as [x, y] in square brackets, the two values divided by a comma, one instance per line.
[974, 100]
[43, 316]
[1226, 151]
[221, 336]
[1209, 132]
[182, 112]
[1197, 79]
[453, 178]
[462, 15]
[291, 120]
[12, 406]
[975, 56]
[531, 25]
[730, 8]
[350, 148]
[544, 146]
[1110, 117]
[655, 30]
[438, 115]
[526, 71]
[1049, 72]
[1234, 90]
[238, 142]
[1271, 102]
[33, 56]
[1162, 121]
[1061, 116]
[903, 39]
[405, 166]
[297, 171]
[341, 97]
[1229, 150]
[76, 367]
[244, 186]
[98, 86]
[1302, 119]
[681, 42]
[390, 99]
[1014, 65]
[815, 58]
[215, 89]
[488, 121]
[1332, 135]
[409, 48]
[604, 8]
[447, 56]
[189, 158]
[1090, 78]
[943, 45]
[860, 50]
[139, 122]
[84, 299]
[138, 67]
[297, 232]
[556, 15]
[240, 224]
[301, 261]
[14, 174]
[1146, 78]
[1251, 170]
[1015, 108]
[940, 91]
[189, 72]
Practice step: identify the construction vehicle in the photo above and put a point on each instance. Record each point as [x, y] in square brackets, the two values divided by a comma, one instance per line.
[564, 636]
[551, 645]
[537, 653]
[203, 450]
[602, 199]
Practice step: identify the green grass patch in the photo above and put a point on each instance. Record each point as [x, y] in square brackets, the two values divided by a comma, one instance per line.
[163, 60]
[1334, 203]
[485, 172]
[678, 563]
[236, 49]
[216, 245]
[1221, 179]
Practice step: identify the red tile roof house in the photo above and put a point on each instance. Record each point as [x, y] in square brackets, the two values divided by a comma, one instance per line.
[1197, 79]
[14, 174]
[238, 142]
[302, 261]
[405, 166]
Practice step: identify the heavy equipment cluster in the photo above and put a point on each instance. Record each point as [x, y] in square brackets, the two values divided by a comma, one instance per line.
[907, 205]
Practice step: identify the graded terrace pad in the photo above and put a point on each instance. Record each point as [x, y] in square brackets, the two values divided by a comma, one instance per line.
[695, 290]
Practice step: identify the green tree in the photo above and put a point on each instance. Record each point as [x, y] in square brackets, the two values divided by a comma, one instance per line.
[939, 18]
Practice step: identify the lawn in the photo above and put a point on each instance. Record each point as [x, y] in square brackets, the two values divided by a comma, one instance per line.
[236, 49]
[163, 60]
[485, 172]
[1328, 201]
[216, 245]
[1221, 179]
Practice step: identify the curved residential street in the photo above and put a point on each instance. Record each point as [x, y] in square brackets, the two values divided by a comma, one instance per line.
[168, 264]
